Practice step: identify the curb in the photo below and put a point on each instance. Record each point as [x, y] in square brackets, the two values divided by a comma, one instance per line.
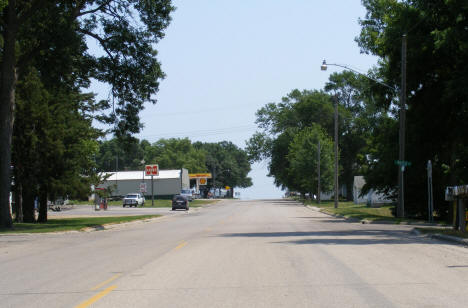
[349, 219]
[442, 237]
[450, 238]
[378, 222]
[103, 227]
[111, 226]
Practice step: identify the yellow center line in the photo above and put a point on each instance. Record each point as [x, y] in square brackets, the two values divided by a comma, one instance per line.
[181, 245]
[106, 282]
[96, 297]
[208, 229]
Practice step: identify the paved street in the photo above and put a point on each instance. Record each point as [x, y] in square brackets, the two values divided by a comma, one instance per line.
[270, 253]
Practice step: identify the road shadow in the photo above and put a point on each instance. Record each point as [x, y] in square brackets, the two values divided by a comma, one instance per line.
[325, 219]
[340, 237]
[281, 201]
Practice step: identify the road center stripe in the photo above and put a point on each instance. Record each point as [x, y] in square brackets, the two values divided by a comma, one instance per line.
[106, 282]
[181, 245]
[96, 297]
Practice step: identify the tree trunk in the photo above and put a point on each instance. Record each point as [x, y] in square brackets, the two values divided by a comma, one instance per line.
[452, 210]
[29, 214]
[19, 202]
[43, 205]
[7, 105]
[28, 206]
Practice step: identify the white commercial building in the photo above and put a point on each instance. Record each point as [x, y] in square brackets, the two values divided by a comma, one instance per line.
[166, 184]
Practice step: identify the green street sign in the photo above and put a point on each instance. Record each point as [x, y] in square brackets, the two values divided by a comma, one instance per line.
[403, 163]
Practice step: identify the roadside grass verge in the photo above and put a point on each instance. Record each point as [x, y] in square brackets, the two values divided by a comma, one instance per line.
[198, 202]
[349, 209]
[450, 232]
[71, 224]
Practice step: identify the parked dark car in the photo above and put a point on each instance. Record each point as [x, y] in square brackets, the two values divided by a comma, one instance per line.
[180, 202]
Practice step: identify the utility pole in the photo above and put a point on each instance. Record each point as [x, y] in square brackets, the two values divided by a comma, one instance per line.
[116, 170]
[430, 195]
[401, 156]
[318, 173]
[214, 181]
[336, 150]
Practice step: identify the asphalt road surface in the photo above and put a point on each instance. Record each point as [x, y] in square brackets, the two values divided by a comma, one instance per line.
[270, 253]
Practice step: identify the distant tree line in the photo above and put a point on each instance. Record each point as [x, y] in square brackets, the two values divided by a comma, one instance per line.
[436, 119]
[229, 163]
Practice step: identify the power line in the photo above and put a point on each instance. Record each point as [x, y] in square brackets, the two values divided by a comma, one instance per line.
[198, 111]
[206, 132]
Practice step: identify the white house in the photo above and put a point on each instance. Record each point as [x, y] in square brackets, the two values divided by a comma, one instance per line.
[371, 198]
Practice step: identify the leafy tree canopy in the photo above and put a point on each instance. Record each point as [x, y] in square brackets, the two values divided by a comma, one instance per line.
[437, 106]
[303, 160]
[229, 163]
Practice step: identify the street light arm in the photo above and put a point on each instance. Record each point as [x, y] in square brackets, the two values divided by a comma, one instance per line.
[357, 72]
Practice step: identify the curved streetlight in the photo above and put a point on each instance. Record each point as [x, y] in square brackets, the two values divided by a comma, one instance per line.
[325, 65]
[401, 156]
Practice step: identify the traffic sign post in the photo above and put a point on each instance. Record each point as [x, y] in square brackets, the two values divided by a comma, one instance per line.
[152, 170]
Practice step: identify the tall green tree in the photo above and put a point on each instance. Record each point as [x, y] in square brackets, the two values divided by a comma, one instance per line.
[53, 146]
[125, 30]
[227, 162]
[170, 153]
[177, 153]
[355, 95]
[303, 160]
[437, 56]
[280, 123]
[121, 154]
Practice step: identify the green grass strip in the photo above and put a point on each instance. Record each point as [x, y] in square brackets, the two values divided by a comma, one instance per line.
[69, 224]
[359, 211]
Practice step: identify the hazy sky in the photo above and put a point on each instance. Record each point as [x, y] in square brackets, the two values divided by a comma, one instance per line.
[226, 59]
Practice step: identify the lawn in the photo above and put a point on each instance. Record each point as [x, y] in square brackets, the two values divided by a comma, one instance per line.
[69, 224]
[358, 211]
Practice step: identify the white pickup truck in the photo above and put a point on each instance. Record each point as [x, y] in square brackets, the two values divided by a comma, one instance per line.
[133, 199]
